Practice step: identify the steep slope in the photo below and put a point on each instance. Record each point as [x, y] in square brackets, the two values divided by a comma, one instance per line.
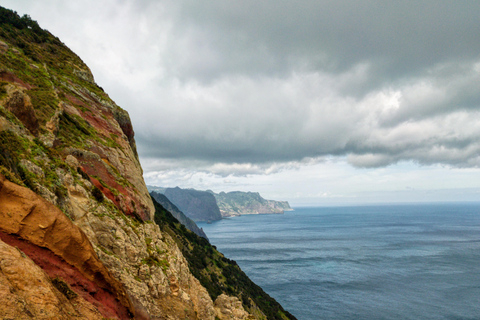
[238, 203]
[226, 283]
[197, 205]
[74, 203]
[182, 218]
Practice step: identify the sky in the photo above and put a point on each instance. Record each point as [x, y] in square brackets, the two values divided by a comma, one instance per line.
[315, 102]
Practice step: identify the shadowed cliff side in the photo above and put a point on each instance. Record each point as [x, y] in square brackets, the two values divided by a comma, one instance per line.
[182, 218]
[195, 204]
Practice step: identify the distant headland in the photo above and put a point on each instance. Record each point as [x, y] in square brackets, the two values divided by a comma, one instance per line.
[210, 206]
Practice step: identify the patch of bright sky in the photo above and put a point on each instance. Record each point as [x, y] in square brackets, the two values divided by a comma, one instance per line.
[335, 182]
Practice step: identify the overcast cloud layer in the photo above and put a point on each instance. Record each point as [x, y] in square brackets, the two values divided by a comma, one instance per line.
[256, 87]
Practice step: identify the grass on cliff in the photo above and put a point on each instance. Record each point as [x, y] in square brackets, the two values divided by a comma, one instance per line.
[15, 148]
[215, 272]
[51, 71]
[64, 288]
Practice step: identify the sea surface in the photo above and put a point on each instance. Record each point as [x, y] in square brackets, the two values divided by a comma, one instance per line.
[365, 262]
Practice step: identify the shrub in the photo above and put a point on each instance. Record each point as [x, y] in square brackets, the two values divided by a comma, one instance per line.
[97, 194]
[64, 288]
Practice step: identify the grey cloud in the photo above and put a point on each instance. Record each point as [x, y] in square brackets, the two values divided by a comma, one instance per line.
[291, 119]
[400, 38]
[253, 84]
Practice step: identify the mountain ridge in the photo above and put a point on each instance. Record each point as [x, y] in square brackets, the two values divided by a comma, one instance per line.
[233, 203]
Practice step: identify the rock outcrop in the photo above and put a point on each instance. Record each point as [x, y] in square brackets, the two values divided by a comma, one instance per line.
[230, 308]
[20, 105]
[195, 204]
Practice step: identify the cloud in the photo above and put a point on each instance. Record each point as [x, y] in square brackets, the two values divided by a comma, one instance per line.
[158, 167]
[272, 38]
[252, 87]
[255, 121]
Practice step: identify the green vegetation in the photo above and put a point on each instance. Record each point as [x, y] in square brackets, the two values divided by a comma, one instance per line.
[215, 272]
[64, 288]
[15, 148]
[97, 194]
[50, 74]
[53, 73]
[152, 260]
[238, 202]
[36, 45]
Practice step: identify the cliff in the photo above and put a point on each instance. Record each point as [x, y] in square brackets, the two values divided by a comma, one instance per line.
[238, 203]
[80, 236]
[197, 205]
[182, 218]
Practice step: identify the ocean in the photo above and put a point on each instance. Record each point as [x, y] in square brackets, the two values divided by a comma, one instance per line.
[364, 262]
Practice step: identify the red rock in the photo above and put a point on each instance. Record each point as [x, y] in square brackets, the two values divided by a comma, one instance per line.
[53, 241]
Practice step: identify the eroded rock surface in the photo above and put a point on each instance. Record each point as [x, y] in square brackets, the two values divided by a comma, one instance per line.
[230, 308]
[27, 292]
[28, 216]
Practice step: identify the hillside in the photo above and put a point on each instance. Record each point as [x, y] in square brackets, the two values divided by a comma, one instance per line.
[80, 236]
[239, 203]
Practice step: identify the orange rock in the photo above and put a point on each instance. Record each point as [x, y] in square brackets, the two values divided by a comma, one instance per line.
[26, 292]
[27, 215]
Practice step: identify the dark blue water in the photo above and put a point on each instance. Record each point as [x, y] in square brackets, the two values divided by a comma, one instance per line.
[368, 262]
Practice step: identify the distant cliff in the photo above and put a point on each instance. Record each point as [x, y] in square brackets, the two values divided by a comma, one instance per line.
[238, 203]
[179, 215]
[195, 204]
[229, 204]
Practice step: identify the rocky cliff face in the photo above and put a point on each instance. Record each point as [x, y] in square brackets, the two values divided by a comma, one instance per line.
[197, 205]
[29, 293]
[179, 215]
[76, 218]
[237, 203]
[43, 232]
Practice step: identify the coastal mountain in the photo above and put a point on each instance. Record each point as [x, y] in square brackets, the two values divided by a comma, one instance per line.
[205, 205]
[179, 215]
[197, 205]
[80, 236]
[237, 203]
